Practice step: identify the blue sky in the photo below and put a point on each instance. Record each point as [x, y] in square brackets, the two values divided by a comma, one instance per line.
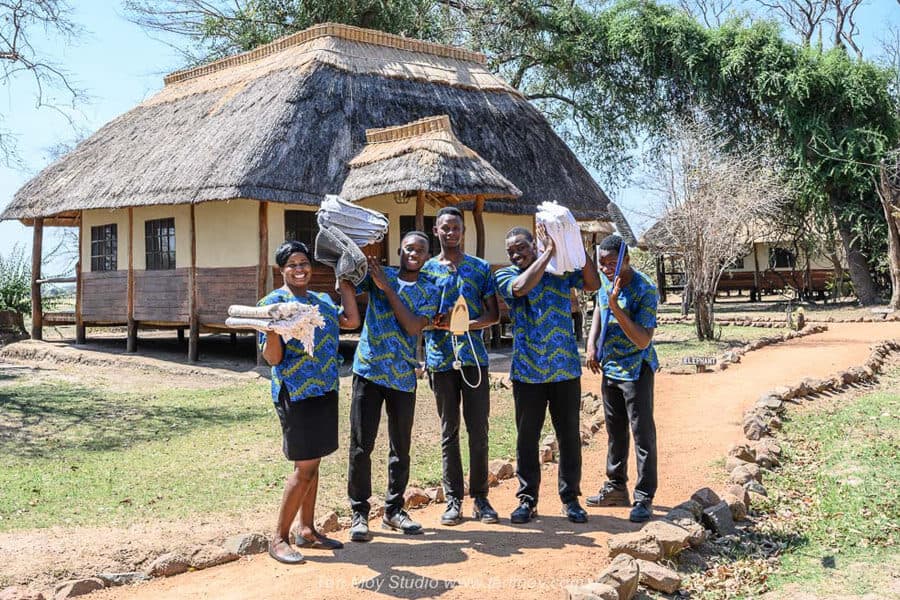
[118, 65]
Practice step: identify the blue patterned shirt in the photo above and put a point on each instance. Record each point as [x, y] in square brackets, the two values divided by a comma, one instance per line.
[386, 354]
[303, 375]
[474, 281]
[544, 346]
[622, 359]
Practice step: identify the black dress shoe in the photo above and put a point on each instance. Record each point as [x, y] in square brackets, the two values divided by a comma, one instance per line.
[574, 512]
[484, 512]
[526, 511]
[641, 512]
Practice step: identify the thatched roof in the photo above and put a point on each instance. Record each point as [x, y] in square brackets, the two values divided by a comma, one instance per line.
[280, 124]
[425, 156]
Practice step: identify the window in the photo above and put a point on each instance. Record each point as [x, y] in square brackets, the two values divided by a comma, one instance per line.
[104, 245]
[782, 258]
[159, 241]
[301, 225]
[408, 223]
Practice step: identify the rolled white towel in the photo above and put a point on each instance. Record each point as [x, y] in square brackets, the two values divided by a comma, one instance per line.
[299, 323]
[563, 229]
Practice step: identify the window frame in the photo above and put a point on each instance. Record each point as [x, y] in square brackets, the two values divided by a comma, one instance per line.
[778, 252]
[155, 232]
[104, 247]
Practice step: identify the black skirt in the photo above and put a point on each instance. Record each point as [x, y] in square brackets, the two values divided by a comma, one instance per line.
[309, 426]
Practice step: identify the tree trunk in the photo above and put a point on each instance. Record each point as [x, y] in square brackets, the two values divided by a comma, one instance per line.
[860, 274]
[893, 238]
[704, 316]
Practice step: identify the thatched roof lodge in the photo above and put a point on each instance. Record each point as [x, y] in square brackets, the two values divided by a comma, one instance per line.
[182, 200]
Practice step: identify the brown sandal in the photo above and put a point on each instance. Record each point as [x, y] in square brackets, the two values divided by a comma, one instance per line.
[291, 557]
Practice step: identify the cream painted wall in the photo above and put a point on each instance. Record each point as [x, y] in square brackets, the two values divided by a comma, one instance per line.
[762, 250]
[227, 234]
[182, 214]
[93, 218]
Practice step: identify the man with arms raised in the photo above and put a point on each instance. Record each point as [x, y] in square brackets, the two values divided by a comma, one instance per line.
[546, 366]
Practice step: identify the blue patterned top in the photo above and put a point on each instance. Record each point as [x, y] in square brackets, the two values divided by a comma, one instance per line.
[303, 375]
[623, 360]
[544, 345]
[473, 280]
[386, 354]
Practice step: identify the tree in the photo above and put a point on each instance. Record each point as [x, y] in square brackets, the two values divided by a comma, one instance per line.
[711, 197]
[611, 76]
[19, 20]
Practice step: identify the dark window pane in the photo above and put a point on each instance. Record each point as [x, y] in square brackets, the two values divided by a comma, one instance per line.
[103, 247]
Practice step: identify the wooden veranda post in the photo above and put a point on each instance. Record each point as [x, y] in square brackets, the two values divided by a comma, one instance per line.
[194, 339]
[755, 274]
[478, 214]
[131, 343]
[263, 268]
[80, 337]
[420, 210]
[37, 311]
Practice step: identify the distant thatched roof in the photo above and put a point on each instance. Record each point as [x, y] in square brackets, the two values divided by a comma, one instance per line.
[280, 124]
[423, 155]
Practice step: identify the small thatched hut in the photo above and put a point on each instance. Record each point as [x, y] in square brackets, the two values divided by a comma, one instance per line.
[182, 201]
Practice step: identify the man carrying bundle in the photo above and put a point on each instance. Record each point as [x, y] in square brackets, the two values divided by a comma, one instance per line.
[400, 305]
[546, 366]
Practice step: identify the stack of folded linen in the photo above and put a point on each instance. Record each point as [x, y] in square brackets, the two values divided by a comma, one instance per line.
[563, 230]
[343, 228]
[362, 225]
[291, 320]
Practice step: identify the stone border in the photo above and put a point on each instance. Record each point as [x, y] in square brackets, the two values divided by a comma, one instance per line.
[734, 356]
[636, 554]
[780, 321]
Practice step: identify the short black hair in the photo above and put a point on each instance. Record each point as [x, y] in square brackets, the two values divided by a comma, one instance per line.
[287, 248]
[418, 234]
[612, 243]
[520, 231]
[450, 210]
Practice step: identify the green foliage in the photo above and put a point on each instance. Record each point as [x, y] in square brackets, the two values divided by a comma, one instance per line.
[15, 281]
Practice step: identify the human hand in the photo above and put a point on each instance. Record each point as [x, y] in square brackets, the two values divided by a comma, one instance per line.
[614, 293]
[545, 239]
[441, 321]
[591, 362]
[377, 274]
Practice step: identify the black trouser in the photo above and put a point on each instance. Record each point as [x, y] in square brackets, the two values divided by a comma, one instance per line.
[449, 389]
[564, 401]
[365, 415]
[631, 403]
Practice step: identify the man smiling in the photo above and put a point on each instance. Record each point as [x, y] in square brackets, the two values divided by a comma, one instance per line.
[546, 367]
[400, 305]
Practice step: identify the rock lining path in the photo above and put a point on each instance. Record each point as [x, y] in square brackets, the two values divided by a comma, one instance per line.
[698, 416]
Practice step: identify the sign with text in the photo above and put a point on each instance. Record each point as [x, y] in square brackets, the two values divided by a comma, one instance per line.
[699, 360]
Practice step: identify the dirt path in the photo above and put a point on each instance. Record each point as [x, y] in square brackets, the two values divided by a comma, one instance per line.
[697, 418]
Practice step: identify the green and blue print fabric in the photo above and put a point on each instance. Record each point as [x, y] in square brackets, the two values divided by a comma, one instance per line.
[621, 358]
[386, 354]
[473, 279]
[304, 375]
[544, 346]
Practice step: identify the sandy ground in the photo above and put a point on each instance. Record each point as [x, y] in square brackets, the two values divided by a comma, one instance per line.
[697, 417]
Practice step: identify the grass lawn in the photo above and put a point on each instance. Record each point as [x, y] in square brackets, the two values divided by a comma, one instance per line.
[838, 497]
[676, 341]
[73, 455]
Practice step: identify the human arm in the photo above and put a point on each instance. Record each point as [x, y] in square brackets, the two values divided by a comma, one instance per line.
[593, 338]
[273, 348]
[590, 273]
[639, 334]
[411, 323]
[530, 277]
[348, 318]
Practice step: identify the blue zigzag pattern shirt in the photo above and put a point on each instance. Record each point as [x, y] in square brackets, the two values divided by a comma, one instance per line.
[622, 359]
[386, 354]
[544, 346]
[303, 375]
[474, 281]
